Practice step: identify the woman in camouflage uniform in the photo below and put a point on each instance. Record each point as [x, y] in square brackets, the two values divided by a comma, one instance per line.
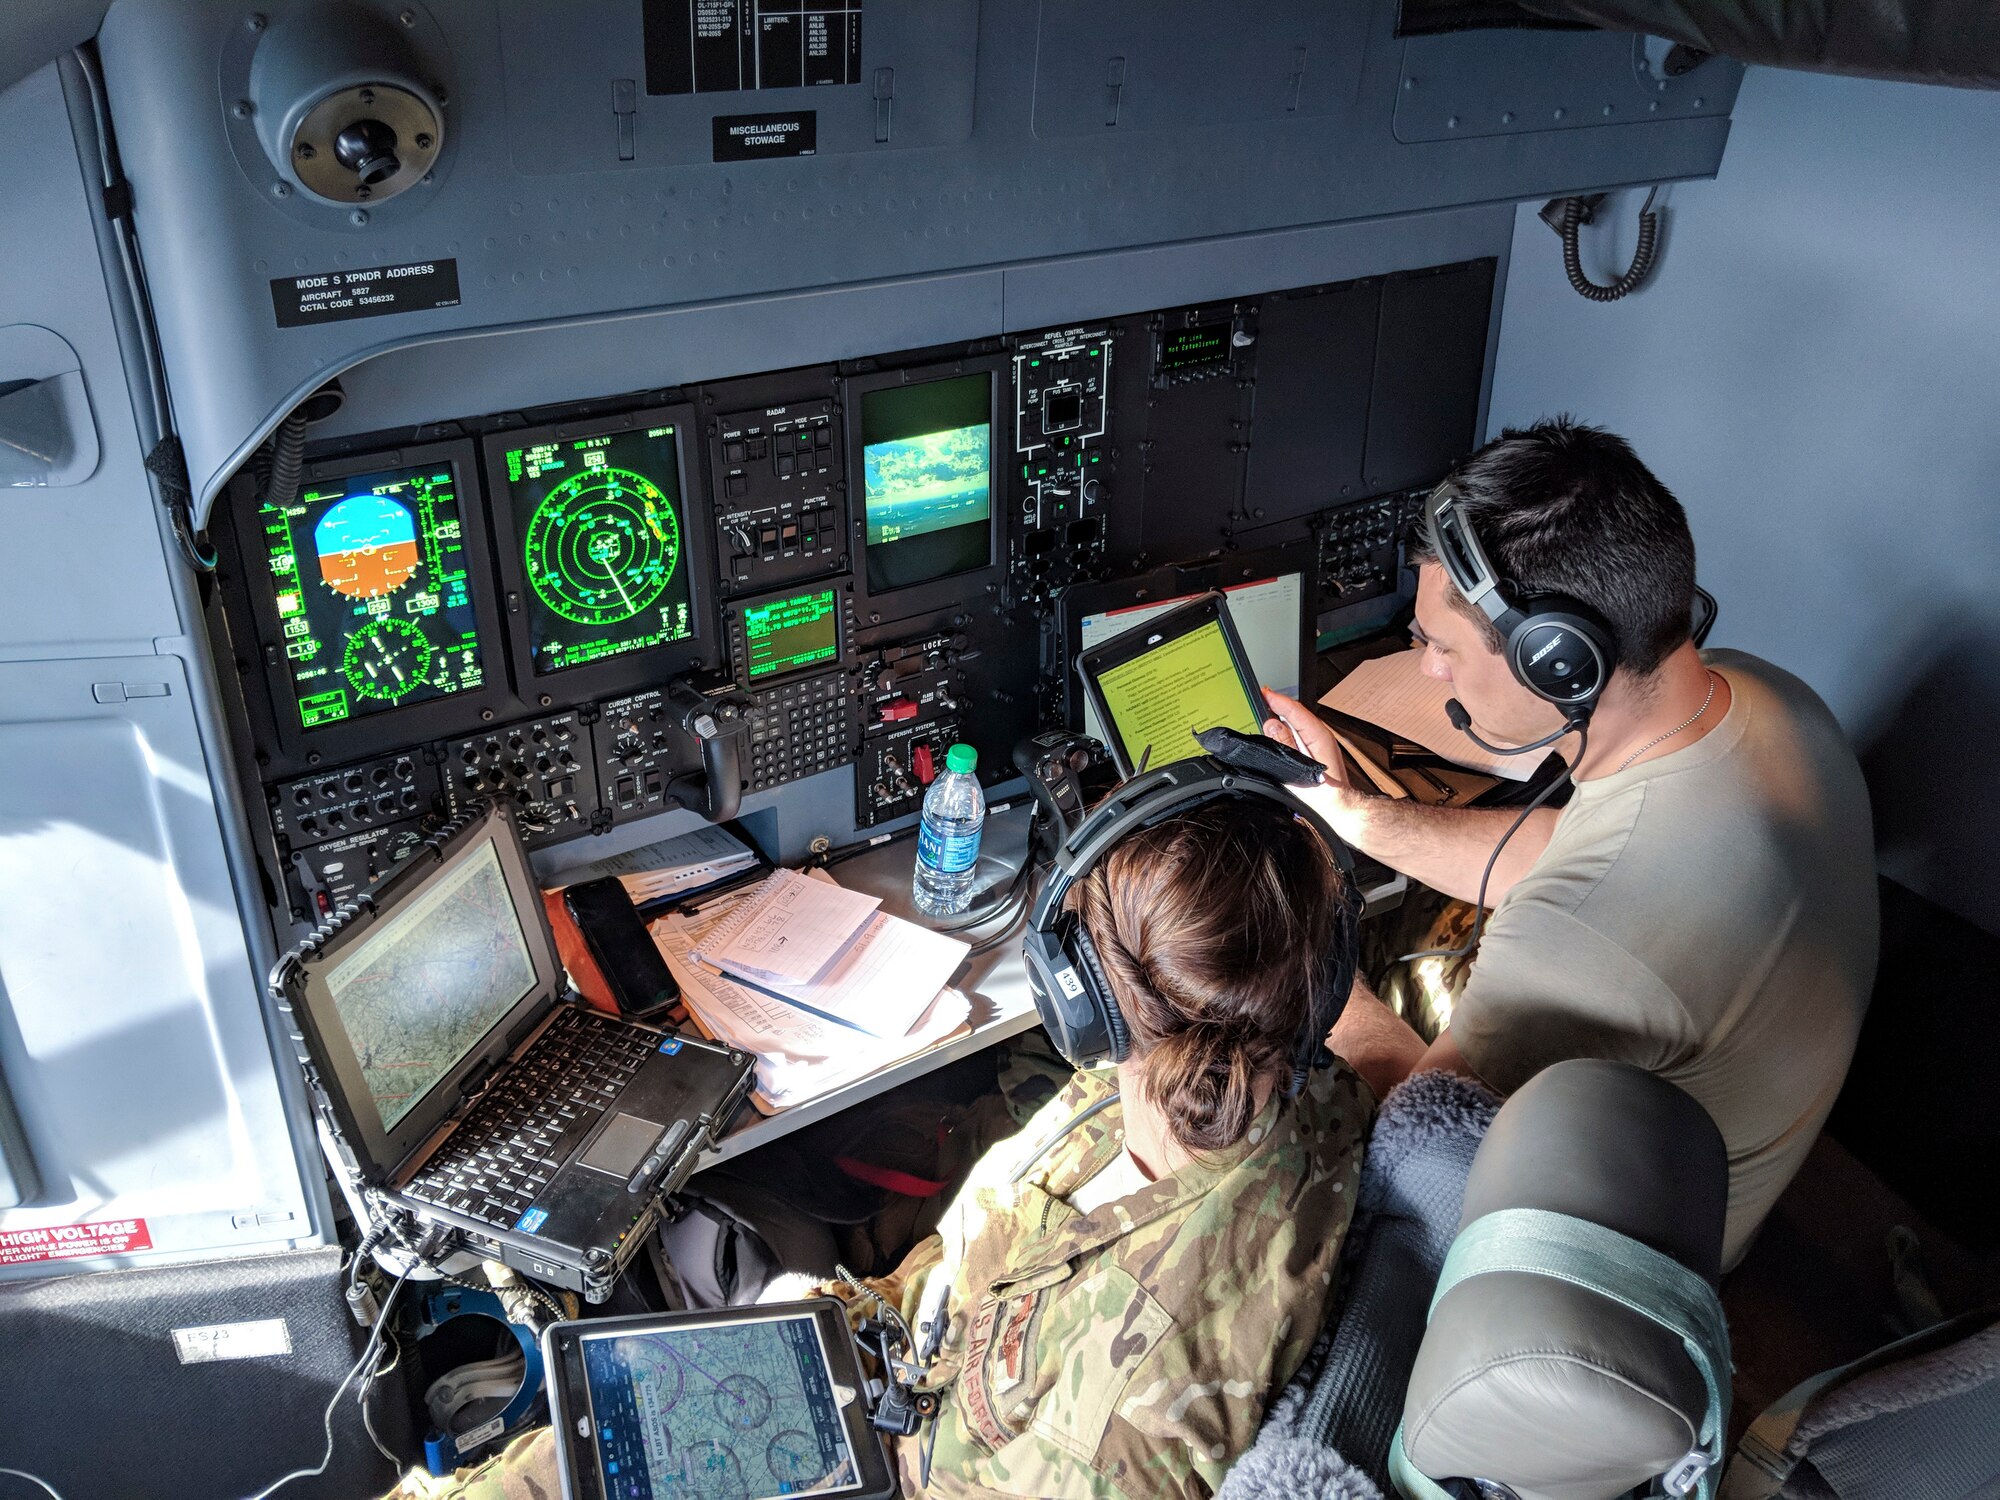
[1126, 1283]
[1134, 1275]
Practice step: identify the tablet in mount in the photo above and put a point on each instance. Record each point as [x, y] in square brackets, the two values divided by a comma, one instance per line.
[1155, 686]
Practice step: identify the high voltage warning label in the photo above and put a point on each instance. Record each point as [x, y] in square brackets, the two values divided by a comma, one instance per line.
[74, 1241]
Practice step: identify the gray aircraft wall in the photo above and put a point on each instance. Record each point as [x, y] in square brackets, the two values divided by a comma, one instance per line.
[1813, 372]
[1007, 185]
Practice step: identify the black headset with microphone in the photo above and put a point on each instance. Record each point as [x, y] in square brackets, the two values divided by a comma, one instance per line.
[1066, 974]
[1558, 648]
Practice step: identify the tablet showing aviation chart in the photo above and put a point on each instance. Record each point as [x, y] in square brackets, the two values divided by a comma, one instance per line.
[739, 1409]
[598, 524]
[927, 462]
[1268, 616]
[369, 580]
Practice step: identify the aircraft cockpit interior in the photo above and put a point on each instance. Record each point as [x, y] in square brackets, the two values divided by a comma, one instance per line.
[969, 747]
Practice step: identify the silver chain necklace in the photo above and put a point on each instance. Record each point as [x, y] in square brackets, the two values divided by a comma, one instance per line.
[1684, 723]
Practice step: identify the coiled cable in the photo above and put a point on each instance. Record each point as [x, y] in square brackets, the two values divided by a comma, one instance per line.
[1571, 228]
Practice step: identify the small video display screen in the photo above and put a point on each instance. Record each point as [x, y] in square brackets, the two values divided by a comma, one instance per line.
[788, 635]
[1202, 347]
[599, 525]
[927, 458]
[744, 1409]
[369, 580]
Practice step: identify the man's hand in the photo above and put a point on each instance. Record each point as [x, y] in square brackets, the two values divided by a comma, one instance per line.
[1302, 729]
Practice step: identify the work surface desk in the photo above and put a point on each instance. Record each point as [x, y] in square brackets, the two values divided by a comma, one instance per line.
[996, 981]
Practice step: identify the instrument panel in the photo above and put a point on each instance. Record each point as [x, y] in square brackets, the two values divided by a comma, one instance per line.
[847, 567]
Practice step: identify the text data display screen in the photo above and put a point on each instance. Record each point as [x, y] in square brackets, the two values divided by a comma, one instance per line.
[927, 460]
[369, 579]
[599, 524]
[1186, 351]
[745, 1410]
[426, 986]
[788, 635]
[1268, 620]
[1158, 701]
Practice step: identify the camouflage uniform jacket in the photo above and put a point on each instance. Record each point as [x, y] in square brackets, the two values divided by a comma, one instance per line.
[1129, 1351]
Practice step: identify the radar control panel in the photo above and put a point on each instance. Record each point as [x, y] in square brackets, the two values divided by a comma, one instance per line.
[847, 567]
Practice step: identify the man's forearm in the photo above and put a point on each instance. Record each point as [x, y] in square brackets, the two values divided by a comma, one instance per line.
[1444, 847]
[1374, 1041]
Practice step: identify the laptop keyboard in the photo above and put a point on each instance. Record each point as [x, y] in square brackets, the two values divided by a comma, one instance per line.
[529, 1121]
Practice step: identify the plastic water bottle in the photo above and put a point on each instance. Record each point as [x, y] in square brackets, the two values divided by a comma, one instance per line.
[948, 843]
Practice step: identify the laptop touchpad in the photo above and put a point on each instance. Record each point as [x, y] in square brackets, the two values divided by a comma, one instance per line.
[622, 1146]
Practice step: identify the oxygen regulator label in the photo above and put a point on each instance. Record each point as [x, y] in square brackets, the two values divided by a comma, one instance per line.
[333, 296]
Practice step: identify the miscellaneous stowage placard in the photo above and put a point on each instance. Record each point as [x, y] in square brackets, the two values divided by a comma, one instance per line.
[333, 296]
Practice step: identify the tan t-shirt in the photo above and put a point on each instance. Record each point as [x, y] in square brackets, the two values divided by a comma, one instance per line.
[1710, 916]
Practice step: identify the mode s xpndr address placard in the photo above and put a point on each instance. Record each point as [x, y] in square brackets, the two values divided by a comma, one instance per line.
[369, 582]
[601, 530]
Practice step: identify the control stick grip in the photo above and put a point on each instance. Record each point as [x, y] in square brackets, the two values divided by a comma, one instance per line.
[718, 724]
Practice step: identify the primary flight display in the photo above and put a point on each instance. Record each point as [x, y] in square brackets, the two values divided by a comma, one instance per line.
[368, 578]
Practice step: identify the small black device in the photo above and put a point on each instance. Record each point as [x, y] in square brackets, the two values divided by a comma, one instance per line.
[1067, 772]
[627, 957]
[757, 1401]
[1154, 685]
[1066, 975]
[1261, 755]
[1558, 648]
[462, 1084]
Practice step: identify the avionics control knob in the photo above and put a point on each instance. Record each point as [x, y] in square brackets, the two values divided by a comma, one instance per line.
[629, 749]
[1090, 492]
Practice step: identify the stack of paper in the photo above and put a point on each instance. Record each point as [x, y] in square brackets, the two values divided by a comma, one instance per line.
[1391, 693]
[685, 863]
[881, 999]
[790, 930]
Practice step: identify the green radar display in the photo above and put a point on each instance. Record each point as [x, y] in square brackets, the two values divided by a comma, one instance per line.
[369, 584]
[599, 526]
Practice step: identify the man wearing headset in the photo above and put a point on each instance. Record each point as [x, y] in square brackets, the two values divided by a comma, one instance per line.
[1705, 905]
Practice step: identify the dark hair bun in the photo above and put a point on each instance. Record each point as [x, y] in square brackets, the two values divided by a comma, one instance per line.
[1216, 928]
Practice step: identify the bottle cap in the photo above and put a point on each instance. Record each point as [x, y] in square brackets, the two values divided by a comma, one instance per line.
[961, 758]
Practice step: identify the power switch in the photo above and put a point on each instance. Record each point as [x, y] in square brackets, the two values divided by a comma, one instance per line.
[924, 763]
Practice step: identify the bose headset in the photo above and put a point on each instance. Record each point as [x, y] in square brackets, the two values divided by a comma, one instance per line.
[1558, 648]
[1065, 972]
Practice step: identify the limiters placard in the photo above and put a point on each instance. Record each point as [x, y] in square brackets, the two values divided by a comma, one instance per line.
[726, 46]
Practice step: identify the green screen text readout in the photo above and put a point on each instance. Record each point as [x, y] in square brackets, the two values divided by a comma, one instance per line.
[788, 634]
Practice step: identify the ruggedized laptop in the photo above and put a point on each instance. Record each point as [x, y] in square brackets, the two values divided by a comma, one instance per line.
[462, 1080]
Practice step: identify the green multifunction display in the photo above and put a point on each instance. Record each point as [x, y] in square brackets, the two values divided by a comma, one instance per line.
[598, 521]
[787, 634]
[368, 574]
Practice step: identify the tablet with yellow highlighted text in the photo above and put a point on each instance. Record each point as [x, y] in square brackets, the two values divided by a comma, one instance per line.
[1155, 686]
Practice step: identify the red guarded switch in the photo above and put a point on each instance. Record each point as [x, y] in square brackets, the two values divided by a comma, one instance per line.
[924, 763]
[896, 710]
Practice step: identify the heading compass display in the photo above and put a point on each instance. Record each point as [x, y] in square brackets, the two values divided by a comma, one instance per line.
[368, 578]
[599, 524]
